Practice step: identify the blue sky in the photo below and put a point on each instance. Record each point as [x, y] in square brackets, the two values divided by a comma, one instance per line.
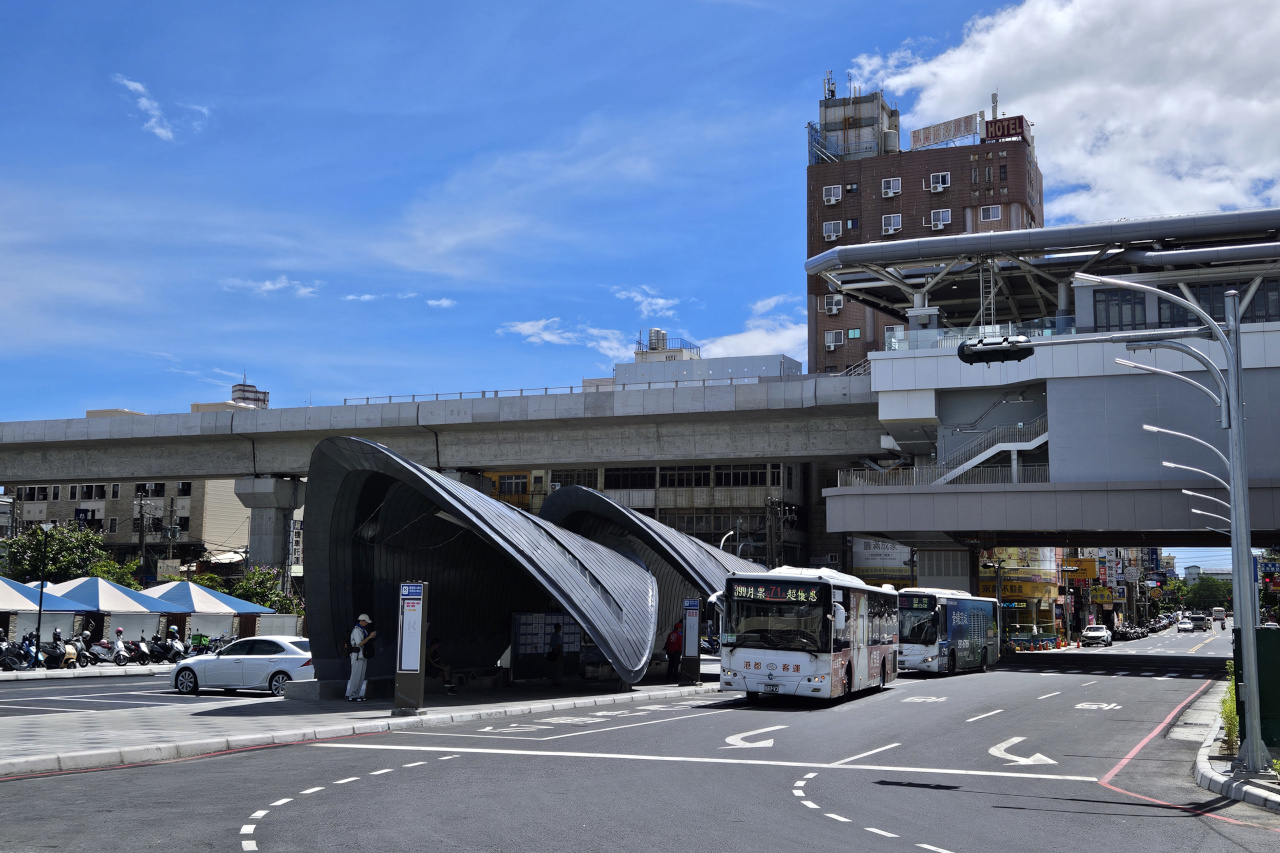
[391, 198]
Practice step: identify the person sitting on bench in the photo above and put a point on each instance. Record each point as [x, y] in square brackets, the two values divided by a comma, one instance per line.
[438, 668]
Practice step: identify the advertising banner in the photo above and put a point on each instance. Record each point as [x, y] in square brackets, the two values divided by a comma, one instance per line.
[874, 560]
[945, 131]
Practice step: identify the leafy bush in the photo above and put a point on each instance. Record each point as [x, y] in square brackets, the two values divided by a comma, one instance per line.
[1230, 719]
[262, 586]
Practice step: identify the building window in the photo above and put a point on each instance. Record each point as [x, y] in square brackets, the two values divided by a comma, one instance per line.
[184, 523]
[57, 493]
[184, 489]
[1119, 310]
[71, 492]
[988, 174]
[563, 477]
[989, 213]
[42, 493]
[115, 491]
[851, 225]
[939, 218]
[939, 179]
[111, 525]
[146, 490]
[830, 195]
[1263, 308]
[685, 477]
[831, 230]
[890, 186]
[832, 303]
[1004, 172]
[891, 223]
[742, 475]
[975, 174]
[630, 478]
[513, 484]
[854, 334]
[790, 471]
[851, 188]
[833, 338]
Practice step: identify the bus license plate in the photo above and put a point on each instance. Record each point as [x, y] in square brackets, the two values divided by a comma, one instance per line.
[771, 688]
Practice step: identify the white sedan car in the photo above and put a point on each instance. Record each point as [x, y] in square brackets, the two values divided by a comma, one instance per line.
[1095, 635]
[254, 663]
[1185, 625]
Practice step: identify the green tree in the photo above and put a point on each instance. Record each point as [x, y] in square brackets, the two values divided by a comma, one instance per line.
[262, 586]
[217, 583]
[125, 575]
[70, 552]
[1208, 593]
[1173, 595]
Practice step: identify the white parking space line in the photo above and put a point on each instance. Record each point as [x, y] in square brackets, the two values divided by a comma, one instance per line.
[380, 772]
[1047, 695]
[282, 802]
[989, 714]
[879, 832]
[860, 755]
[809, 804]
[838, 817]
[689, 759]
[312, 790]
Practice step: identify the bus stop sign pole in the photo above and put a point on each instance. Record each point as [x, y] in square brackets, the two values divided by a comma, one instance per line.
[411, 648]
[691, 657]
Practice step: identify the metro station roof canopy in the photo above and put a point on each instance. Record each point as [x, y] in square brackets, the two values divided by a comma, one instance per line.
[1026, 271]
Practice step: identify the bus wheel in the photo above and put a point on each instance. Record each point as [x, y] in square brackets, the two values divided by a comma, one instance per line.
[752, 697]
[982, 667]
[951, 662]
[848, 682]
[884, 675]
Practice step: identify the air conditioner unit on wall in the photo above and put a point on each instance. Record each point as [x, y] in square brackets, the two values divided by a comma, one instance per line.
[833, 310]
[938, 226]
[887, 193]
[554, 486]
[831, 237]
[890, 230]
[937, 188]
[831, 347]
[830, 199]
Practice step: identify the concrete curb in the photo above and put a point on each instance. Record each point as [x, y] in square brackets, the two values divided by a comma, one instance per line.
[99, 671]
[1227, 786]
[98, 758]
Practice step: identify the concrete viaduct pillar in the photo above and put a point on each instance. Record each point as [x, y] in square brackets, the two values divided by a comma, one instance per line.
[271, 502]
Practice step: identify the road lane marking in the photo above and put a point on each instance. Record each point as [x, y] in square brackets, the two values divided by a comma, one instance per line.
[988, 714]
[380, 772]
[690, 759]
[247, 829]
[797, 792]
[809, 804]
[1087, 683]
[800, 784]
[810, 775]
[934, 849]
[859, 755]
[345, 781]
[249, 845]
[739, 741]
[414, 764]
[447, 757]
[838, 817]
[879, 832]
[282, 802]
[999, 751]
[258, 815]
[312, 790]
[1047, 695]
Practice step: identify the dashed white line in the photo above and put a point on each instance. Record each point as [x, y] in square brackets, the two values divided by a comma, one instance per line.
[810, 775]
[282, 802]
[934, 849]
[345, 781]
[447, 757]
[862, 755]
[414, 764]
[380, 772]
[879, 832]
[1047, 695]
[809, 804]
[247, 829]
[258, 814]
[313, 790]
[800, 784]
[248, 845]
[1087, 683]
[838, 817]
[797, 792]
[988, 714]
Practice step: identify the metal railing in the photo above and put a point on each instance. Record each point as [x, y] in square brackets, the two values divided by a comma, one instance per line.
[1003, 434]
[927, 475]
[558, 389]
[947, 338]
[862, 368]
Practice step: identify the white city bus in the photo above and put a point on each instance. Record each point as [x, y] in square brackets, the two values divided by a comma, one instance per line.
[1220, 615]
[944, 630]
[807, 632]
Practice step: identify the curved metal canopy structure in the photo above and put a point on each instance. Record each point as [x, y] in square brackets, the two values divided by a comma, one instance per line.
[376, 519]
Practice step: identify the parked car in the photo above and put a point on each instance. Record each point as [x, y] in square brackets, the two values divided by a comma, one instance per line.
[1185, 625]
[1095, 635]
[254, 663]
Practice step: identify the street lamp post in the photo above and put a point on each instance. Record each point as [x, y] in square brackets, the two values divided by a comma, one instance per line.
[44, 567]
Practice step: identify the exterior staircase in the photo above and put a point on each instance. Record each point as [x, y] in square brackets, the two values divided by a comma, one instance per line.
[1001, 439]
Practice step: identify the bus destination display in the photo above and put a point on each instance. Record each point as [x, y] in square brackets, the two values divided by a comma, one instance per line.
[777, 592]
[916, 602]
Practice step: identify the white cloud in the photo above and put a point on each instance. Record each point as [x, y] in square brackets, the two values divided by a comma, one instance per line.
[1142, 107]
[362, 297]
[609, 342]
[156, 122]
[650, 302]
[405, 295]
[767, 332]
[262, 288]
[444, 302]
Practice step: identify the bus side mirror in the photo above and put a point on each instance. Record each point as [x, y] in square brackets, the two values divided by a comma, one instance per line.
[840, 618]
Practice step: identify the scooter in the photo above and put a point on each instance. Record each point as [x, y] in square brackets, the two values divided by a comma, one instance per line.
[58, 654]
[159, 649]
[82, 645]
[100, 652]
[12, 655]
[138, 653]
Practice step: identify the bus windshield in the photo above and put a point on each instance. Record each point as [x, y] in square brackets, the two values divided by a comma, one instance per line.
[916, 622]
[785, 615]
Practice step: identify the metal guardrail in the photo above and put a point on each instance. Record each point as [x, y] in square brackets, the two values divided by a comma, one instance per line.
[1002, 434]
[927, 475]
[550, 389]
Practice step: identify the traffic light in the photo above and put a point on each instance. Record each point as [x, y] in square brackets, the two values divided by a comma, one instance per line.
[991, 350]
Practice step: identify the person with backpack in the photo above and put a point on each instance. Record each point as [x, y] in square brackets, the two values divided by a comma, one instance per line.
[361, 649]
[674, 648]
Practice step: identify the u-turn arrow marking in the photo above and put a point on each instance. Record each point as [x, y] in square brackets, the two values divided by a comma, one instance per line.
[740, 742]
[999, 752]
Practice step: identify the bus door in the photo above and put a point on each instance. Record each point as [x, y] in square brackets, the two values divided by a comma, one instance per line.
[861, 653]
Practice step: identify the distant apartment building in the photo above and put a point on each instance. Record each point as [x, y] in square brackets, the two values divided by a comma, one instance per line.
[963, 176]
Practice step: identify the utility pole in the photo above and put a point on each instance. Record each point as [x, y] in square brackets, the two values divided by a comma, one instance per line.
[142, 535]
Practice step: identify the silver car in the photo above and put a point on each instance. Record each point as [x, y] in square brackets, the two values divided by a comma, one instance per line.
[254, 663]
[1095, 635]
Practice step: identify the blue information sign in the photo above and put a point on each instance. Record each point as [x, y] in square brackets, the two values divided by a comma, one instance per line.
[411, 590]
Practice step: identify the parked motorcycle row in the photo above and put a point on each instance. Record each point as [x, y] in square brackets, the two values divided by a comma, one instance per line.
[81, 652]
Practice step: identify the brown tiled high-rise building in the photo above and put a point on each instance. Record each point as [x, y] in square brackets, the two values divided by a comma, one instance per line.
[862, 188]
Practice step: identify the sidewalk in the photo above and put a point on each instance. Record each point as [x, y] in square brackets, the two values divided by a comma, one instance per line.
[62, 742]
[1215, 773]
[99, 671]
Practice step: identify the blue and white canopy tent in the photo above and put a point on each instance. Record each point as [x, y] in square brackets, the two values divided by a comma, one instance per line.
[137, 613]
[24, 602]
[211, 611]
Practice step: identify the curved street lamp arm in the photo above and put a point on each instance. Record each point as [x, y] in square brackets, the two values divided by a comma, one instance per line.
[1224, 483]
[1190, 493]
[1084, 278]
[1217, 401]
[1211, 515]
[1200, 441]
[1193, 353]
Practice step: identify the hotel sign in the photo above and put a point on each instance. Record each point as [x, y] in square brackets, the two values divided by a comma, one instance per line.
[945, 131]
[1004, 127]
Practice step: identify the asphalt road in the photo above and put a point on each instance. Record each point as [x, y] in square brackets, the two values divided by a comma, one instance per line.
[984, 762]
[1214, 643]
[88, 695]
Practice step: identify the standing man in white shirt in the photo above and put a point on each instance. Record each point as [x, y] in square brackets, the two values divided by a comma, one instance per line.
[360, 635]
